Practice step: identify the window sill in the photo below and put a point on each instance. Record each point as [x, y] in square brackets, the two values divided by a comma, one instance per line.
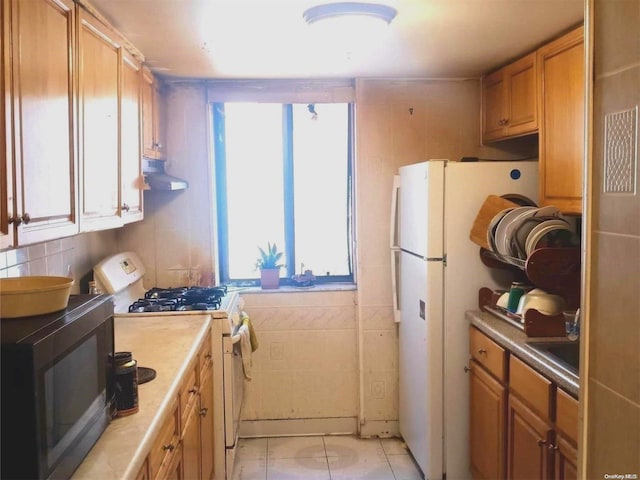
[322, 287]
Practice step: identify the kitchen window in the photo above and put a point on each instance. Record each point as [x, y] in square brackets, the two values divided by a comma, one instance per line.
[284, 175]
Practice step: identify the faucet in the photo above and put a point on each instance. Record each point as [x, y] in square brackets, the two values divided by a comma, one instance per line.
[572, 324]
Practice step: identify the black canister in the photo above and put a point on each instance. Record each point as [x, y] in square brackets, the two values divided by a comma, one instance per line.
[125, 373]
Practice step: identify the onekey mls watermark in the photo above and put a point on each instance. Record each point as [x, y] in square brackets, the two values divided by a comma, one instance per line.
[621, 476]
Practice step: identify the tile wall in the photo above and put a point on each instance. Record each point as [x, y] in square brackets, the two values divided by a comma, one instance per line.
[72, 256]
[306, 365]
[399, 122]
[614, 321]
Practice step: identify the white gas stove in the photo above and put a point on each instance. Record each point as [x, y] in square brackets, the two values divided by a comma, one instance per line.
[121, 276]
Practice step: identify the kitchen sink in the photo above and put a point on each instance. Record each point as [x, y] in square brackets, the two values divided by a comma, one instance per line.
[566, 354]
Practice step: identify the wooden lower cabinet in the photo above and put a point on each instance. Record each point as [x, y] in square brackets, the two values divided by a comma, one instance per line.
[528, 443]
[183, 448]
[522, 425]
[487, 416]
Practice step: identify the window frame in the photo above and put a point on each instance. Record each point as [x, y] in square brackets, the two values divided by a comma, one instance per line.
[222, 218]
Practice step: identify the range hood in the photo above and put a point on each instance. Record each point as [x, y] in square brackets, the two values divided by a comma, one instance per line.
[155, 178]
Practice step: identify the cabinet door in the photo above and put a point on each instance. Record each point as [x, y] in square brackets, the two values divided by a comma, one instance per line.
[562, 112]
[487, 424]
[566, 459]
[148, 141]
[494, 98]
[130, 152]
[152, 117]
[206, 421]
[191, 444]
[158, 121]
[521, 77]
[42, 110]
[100, 59]
[528, 443]
[6, 157]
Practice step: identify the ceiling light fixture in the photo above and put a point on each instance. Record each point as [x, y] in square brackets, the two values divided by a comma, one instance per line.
[342, 9]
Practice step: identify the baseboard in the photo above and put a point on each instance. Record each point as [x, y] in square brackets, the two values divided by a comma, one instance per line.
[380, 428]
[299, 426]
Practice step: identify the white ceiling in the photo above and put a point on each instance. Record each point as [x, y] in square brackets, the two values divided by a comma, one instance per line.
[269, 39]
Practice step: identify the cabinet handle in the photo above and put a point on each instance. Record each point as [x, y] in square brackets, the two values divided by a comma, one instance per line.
[157, 145]
[467, 369]
[203, 412]
[125, 207]
[169, 447]
[552, 447]
[482, 351]
[26, 218]
[17, 220]
[208, 355]
[542, 443]
[193, 391]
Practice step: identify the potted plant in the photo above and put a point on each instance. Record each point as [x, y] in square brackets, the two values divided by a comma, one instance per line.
[269, 266]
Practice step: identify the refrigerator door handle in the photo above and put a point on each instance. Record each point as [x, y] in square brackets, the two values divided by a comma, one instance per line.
[394, 241]
[394, 284]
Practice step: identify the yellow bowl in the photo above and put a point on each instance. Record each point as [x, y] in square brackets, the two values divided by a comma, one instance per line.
[33, 295]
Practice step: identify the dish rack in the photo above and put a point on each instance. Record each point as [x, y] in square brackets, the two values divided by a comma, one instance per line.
[554, 270]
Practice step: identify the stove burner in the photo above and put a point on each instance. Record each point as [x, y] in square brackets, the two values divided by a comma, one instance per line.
[179, 299]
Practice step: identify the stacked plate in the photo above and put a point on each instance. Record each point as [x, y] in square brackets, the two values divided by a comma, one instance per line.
[517, 232]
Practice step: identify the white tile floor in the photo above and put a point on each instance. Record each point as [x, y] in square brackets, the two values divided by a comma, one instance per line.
[324, 458]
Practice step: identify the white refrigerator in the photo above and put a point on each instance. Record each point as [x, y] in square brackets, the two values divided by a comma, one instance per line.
[436, 274]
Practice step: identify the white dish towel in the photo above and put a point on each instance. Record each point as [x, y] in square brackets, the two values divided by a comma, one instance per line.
[245, 350]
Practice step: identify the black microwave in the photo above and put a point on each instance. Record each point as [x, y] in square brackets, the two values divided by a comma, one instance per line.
[57, 389]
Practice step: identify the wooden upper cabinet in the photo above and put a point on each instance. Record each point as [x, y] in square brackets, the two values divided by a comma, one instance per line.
[100, 60]
[131, 182]
[509, 106]
[152, 115]
[6, 170]
[39, 104]
[562, 113]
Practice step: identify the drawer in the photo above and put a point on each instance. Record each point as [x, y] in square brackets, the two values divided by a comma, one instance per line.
[487, 353]
[532, 388]
[165, 444]
[189, 389]
[567, 415]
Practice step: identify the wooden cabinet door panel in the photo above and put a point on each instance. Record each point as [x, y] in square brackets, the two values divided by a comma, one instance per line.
[43, 43]
[148, 141]
[566, 460]
[562, 122]
[130, 149]
[206, 420]
[99, 107]
[6, 156]
[487, 424]
[191, 444]
[528, 443]
[522, 76]
[493, 106]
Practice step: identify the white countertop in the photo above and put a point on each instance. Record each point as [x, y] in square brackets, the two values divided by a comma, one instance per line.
[167, 345]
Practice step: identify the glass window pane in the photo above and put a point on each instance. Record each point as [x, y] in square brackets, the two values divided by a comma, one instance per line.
[254, 183]
[320, 157]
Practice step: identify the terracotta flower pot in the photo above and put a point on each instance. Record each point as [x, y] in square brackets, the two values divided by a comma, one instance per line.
[269, 278]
